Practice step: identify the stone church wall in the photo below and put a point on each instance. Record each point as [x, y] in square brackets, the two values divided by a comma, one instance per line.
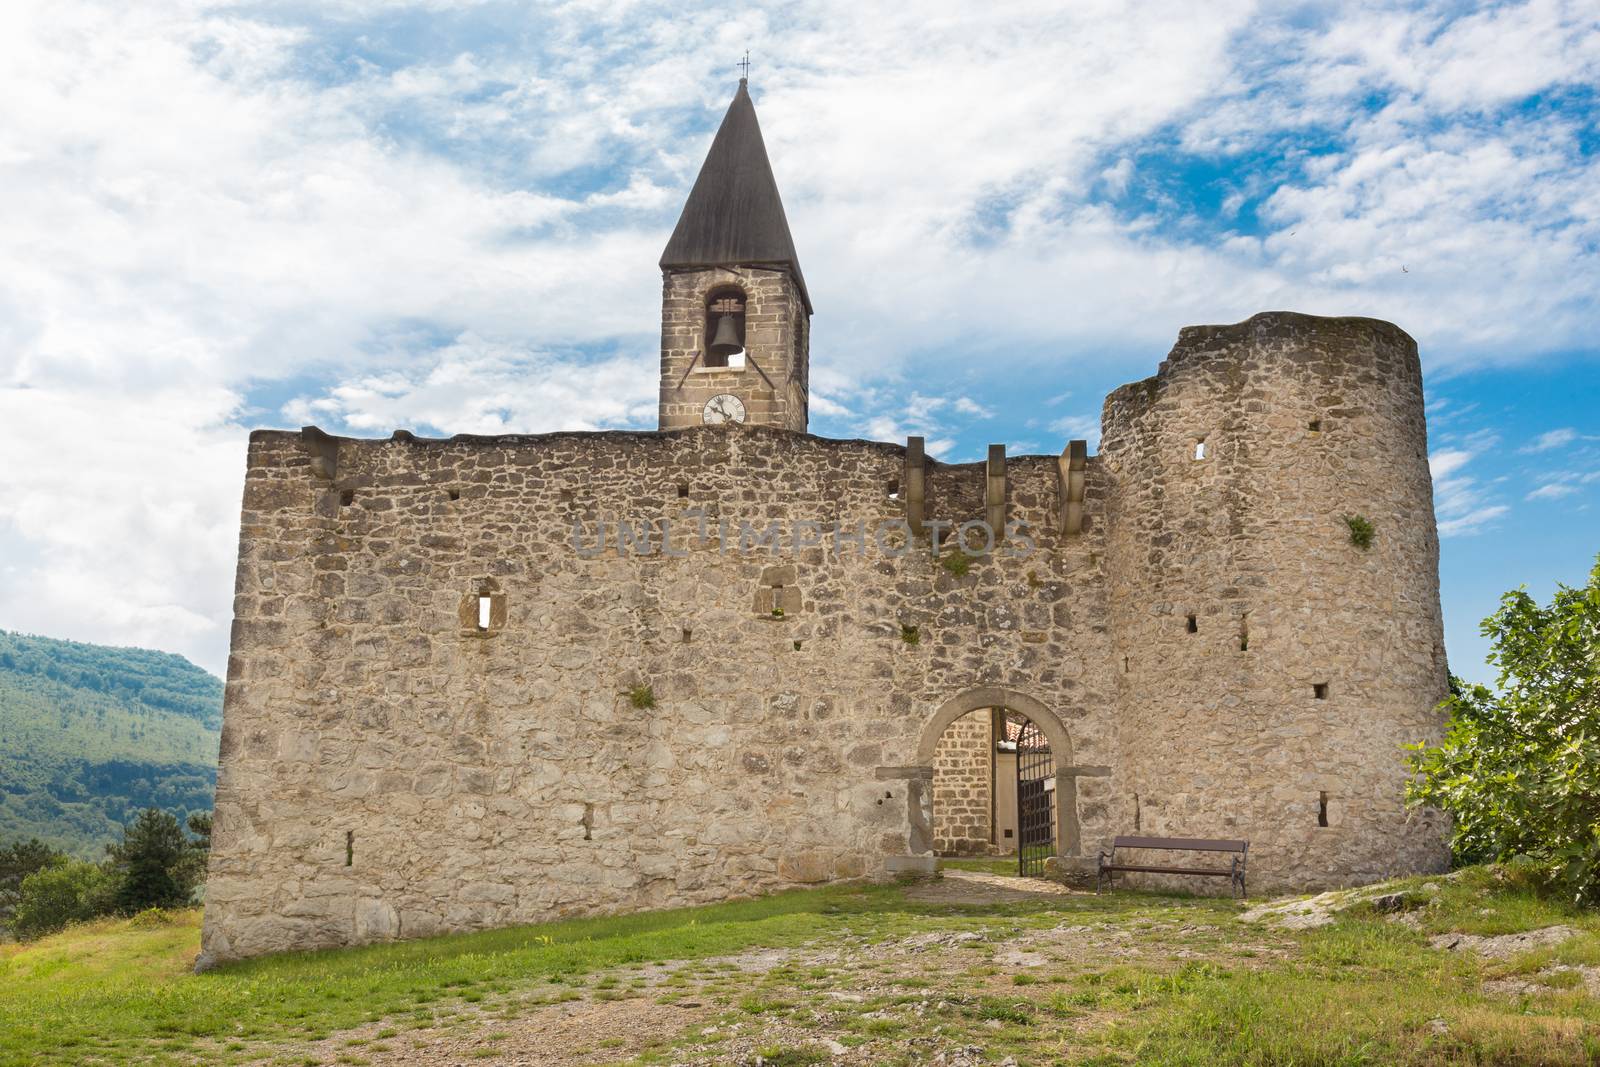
[390, 770]
[646, 730]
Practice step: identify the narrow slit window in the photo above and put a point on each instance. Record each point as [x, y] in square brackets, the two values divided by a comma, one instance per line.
[1244, 632]
[1200, 449]
[1315, 426]
[349, 848]
[347, 497]
[683, 490]
[1319, 690]
[688, 635]
[1193, 624]
[485, 609]
[1322, 809]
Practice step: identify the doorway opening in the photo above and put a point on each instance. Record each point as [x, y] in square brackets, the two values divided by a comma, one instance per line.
[994, 786]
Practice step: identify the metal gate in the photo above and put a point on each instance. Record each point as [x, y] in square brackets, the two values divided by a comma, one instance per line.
[1036, 794]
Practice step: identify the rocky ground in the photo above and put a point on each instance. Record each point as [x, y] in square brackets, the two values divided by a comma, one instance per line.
[1000, 970]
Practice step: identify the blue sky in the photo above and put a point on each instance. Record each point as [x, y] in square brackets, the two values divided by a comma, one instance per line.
[446, 217]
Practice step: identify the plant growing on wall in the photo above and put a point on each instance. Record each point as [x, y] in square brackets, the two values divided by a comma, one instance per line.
[911, 635]
[642, 697]
[1361, 531]
[956, 564]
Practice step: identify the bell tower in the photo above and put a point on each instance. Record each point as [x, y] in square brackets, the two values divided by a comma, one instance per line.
[735, 315]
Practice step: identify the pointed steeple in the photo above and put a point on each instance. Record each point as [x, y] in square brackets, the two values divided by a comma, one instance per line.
[734, 215]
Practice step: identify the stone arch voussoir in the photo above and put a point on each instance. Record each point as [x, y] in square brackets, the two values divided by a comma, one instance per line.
[1068, 838]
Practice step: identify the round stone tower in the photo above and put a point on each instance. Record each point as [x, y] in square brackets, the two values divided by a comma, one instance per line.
[1274, 575]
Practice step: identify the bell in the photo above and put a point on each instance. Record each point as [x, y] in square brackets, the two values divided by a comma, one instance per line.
[726, 342]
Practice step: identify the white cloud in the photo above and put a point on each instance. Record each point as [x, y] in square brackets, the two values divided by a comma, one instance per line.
[483, 387]
[1447, 461]
[202, 199]
[98, 491]
[1552, 491]
[1460, 503]
[1079, 427]
[1552, 439]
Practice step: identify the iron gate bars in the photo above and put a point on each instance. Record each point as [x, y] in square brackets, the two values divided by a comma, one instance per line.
[1036, 809]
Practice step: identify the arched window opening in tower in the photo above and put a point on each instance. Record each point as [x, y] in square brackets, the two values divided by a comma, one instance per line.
[725, 327]
[485, 606]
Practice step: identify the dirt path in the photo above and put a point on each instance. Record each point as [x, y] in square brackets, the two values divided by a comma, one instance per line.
[939, 988]
[974, 887]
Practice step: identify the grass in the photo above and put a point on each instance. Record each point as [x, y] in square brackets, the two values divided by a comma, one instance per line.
[1121, 978]
[982, 865]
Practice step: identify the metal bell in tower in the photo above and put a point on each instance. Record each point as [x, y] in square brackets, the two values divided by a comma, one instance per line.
[726, 341]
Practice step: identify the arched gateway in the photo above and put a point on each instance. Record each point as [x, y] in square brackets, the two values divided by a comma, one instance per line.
[1068, 844]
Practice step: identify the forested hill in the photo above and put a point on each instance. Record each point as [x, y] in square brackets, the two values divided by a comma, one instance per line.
[89, 735]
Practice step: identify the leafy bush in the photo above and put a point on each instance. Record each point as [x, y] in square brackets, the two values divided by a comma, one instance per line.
[1517, 768]
[61, 894]
[150, 918]
[956, 564]
[642, 697]
[17, 861]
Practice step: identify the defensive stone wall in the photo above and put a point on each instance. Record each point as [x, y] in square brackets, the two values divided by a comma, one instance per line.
[451, 704]
[1270, 667]
[629, 730]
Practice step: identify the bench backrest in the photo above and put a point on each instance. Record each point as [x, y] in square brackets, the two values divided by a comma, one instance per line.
[1185, 844]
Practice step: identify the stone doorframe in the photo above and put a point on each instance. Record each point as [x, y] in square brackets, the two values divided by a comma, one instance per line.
[919, 777]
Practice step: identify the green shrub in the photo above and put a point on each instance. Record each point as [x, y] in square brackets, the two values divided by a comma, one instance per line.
[150, 918]
[66, 893]
[156, 863]
[1361, 531]
[642, 697]
[911, 635]
[956, 564]
[17, 861]
[1516, 770]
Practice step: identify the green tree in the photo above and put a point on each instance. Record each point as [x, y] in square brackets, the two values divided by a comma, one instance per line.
[153, 862]
[60, 894]
[18, 860]
[1518, 769]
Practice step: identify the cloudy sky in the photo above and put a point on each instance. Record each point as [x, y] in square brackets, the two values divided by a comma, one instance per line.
[446, 217]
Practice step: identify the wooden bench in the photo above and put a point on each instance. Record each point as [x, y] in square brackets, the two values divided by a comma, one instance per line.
[1234, 871]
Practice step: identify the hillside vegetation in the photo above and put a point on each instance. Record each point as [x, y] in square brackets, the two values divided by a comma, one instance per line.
[92, 735]
[972, 969]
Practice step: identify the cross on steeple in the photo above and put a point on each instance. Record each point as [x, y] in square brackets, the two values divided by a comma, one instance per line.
[744, 66]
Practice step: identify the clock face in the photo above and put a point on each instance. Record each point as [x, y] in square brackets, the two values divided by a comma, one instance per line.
[724, 407]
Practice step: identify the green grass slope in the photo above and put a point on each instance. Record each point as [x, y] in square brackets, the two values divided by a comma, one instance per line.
[89, 735]
[886, 972]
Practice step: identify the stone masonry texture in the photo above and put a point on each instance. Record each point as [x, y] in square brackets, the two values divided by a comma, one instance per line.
[963, 799]
[641, 731]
